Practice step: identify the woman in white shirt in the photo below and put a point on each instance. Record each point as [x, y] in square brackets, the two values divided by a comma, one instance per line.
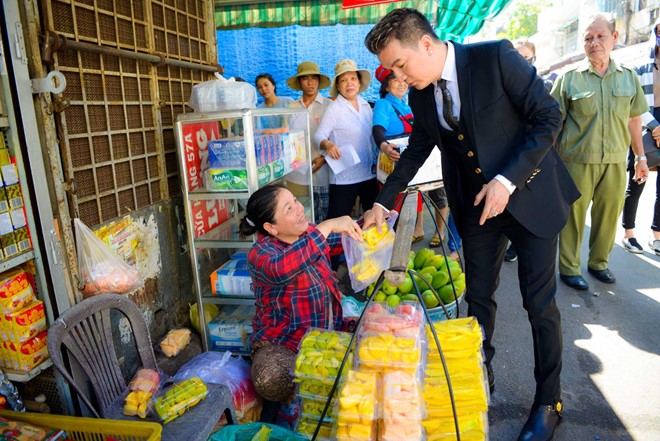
[347, 125]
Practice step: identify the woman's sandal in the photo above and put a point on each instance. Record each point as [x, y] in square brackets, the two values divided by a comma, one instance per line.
[417, 238]
[435, 242]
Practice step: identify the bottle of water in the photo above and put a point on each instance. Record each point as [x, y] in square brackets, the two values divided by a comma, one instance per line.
[9, 391]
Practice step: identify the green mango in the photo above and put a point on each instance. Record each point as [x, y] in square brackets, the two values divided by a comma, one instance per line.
[422, 284]
[421, 257]
[440, 279]
[446, 294]
[437, 261]
[428, 271]
[429, 299]
[409, 298]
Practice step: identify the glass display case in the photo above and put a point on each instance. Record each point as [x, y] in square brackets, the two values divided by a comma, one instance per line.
[224, 157]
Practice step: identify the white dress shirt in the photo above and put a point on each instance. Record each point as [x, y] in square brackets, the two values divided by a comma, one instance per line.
[450, 74]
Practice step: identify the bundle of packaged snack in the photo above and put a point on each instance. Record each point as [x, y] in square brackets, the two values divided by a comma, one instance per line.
[22, 323]
[461, 342]
[179, 398]
[390, 339]
[143, 387]
[401, 407]
[175, 341]
[18, 431]
[316, 367]
[357, 415]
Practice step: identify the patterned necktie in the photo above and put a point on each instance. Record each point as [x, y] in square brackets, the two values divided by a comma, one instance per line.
[448, 106]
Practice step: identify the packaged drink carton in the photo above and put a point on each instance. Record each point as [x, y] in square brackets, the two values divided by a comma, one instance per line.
[15, 291]
[232, 278]
[230, 330]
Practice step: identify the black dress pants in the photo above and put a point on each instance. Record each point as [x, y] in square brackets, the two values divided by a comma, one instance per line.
[484, 248]
[633, 193]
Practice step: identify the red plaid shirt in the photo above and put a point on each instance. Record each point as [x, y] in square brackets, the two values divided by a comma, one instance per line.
[294, 285]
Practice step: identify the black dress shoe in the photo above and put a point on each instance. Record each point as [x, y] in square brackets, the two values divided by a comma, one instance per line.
[491, 378]
[575, 282]
[541, 424]
[604, 275]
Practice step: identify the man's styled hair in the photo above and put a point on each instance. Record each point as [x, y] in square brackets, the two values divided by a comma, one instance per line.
[528, 44]
[406, 25]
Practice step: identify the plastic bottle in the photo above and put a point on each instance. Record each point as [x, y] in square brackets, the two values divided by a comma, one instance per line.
[9, 391]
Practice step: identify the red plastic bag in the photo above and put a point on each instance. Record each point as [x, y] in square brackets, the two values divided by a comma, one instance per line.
[100, 269]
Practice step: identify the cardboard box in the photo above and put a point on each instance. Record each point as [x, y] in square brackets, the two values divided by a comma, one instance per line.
[14, 196]
[232, 278]
[24, 324]
[230, 330]
[22, 238]
[9, 174]
[4, 202]
[24, 356]
[8, 244]
[17, 218]
[15, 291]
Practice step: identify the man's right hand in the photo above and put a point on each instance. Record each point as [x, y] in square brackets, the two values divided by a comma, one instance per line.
[375, 216]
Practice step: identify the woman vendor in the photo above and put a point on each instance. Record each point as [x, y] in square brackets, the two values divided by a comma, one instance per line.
[295, 288]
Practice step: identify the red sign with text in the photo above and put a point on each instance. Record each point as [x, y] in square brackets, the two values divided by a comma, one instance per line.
[206, 214]
[348, 4]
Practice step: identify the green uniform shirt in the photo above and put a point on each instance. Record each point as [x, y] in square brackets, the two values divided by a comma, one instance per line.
[596, 111]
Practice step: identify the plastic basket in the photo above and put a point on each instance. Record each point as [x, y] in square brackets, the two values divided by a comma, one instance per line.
[437, 314]
[88, 429]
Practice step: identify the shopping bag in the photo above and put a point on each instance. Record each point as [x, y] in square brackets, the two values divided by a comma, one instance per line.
[222, 94]
[366, 260]
[100, 269]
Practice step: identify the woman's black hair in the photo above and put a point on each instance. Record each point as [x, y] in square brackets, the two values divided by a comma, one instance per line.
[269, 77]
[385, 84]
[260, 209]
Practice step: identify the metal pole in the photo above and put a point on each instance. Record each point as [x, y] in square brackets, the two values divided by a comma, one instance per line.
[54, 42]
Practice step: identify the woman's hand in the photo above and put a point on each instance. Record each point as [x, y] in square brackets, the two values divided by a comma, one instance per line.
[390, 151]
[331, 148]
[342, 225]
[317, 163]
[656, 136]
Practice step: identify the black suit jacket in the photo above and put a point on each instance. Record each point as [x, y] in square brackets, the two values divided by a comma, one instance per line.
[511, 122]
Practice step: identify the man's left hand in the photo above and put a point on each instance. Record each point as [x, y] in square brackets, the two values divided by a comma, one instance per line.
[641, 172]
[495, 197]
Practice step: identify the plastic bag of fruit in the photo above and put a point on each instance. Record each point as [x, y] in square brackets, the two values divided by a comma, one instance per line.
[366, 260]
[176, 400]
[100, 269]
[233, 372]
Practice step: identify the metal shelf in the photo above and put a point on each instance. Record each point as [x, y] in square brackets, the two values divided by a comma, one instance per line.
[226, 234]
[204, 195]
[22, 377]
[16, 260]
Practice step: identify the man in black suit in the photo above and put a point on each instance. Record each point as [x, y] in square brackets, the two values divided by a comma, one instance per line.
[492, 118]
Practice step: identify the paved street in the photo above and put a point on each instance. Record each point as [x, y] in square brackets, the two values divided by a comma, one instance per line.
[611, 374]
[611, 371]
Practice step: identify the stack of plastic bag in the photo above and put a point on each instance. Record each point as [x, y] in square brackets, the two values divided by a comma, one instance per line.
[461, 343]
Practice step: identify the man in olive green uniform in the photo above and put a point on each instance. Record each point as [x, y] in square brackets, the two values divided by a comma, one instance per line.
[601, 104]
